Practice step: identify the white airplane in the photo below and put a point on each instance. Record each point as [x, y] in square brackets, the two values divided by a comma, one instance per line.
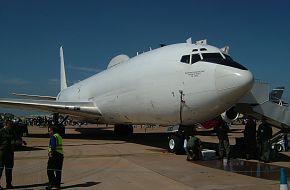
[180, 84]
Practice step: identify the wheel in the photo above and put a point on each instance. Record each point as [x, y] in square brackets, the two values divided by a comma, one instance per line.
[175, 144]
[279, 148]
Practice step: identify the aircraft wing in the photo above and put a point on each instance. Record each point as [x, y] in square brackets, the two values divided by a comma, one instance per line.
[78, 109]
[35, 96]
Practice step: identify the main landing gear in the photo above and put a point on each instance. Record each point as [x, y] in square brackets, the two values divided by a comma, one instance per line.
[176, 137]
[123, 130]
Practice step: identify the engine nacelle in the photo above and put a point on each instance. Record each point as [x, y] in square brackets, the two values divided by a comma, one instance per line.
[230, 115]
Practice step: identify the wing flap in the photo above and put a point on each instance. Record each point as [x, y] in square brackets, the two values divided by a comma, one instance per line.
[79, 109]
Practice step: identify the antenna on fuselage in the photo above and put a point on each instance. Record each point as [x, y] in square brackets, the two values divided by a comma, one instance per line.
[225, 49]
[63, 84]
[189, 41]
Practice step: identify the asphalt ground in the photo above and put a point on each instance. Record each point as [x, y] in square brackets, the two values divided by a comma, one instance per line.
[96, 159]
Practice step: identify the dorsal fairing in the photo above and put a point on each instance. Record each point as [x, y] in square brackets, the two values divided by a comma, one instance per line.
[117, 60]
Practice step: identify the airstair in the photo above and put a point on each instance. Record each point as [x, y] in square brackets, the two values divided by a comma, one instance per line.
[258, 105]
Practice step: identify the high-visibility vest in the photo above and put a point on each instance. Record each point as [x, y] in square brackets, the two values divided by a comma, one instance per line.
[58, 148]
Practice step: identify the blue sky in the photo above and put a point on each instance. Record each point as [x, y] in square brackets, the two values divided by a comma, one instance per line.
[92, 32]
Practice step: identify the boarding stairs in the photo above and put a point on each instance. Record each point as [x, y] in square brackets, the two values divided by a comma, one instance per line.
[258, 105]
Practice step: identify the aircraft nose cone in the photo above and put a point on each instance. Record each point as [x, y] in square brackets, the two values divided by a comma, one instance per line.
[232, 83]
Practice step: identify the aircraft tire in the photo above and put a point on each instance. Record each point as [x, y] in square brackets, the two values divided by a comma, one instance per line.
[279, 148]
[175, 144]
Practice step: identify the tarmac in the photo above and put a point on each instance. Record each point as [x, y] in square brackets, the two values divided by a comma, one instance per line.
[96, 159]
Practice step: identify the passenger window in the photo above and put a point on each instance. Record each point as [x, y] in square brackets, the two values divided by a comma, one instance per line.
[185, 59]
[195, 58]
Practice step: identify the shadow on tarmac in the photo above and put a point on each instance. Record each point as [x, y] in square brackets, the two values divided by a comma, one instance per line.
[28, 148]
[33, 186]
[157, 140]
[87, 184]
[28, 187]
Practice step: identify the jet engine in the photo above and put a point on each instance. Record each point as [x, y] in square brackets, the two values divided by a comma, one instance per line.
[230, 115]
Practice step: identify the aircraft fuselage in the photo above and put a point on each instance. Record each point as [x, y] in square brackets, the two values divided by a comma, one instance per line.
[156, 87]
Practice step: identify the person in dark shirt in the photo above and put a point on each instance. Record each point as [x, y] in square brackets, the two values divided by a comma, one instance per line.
[7, 143]
[264, 135]
[250, 139]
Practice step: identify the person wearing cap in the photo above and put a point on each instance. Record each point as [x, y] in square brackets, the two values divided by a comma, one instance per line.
[7, 142]
[55, 159]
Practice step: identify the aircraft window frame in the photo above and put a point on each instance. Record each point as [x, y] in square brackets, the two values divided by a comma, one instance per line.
[187, 60]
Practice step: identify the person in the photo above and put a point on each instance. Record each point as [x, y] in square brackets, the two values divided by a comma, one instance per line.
[7, 142]
[55, 160]
[222, 130]
[250, 139]
[264, 134]
[193, 148]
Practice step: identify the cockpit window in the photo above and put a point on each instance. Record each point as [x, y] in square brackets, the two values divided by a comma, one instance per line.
[195, 58]
[203, 49]
[218, 59]
[194, 50]
[185, 59]
[212, 57]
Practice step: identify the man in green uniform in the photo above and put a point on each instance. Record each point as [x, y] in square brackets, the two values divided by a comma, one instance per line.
[193, 147]
[250, 139]
[222, 130]
[55, 160]
[7, 141]
[264, 134]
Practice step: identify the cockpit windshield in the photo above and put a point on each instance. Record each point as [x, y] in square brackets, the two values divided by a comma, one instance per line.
[212, 58]
[218, 59]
